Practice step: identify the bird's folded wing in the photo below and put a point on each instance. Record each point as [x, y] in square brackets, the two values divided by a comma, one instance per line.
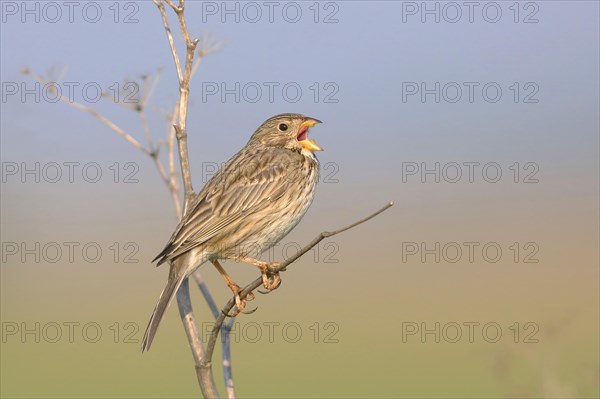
[225, 199]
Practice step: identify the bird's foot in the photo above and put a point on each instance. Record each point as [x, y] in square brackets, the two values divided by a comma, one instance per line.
[240, 303]
[270, 278]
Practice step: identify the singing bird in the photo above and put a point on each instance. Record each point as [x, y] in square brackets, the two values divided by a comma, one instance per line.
[248, 206]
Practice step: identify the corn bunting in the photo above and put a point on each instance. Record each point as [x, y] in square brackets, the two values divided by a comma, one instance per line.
[249, 205]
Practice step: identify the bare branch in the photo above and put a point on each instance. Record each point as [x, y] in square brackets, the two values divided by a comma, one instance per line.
[205, 377]
[181, 131]
[207, 360]
[226, 350]
[92, 112]
[147, 94]
[151, 151]
[174, 182]
[165, 20]
[180, 114]
[146, 129]
[184, 161]
[62, 74]
[208, 45]
[203, 370]
[225, 333]
[184, 84]
[196, 65]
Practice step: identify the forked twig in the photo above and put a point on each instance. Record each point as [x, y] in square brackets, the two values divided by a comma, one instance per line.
[203, 371]
[111, 125]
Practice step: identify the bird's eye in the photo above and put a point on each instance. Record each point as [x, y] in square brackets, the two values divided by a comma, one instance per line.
[282, 127]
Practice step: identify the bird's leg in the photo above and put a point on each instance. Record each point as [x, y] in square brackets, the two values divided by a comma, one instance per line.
[236, 289]
[270, 278]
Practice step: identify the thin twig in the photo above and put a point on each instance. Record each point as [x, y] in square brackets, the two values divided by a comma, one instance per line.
[165, 20]
[92, 112]
[196, 65]
[171, 144]
[225, 334]
[184, 92]
[147, 94]
[207, 360]
[184, 162]
[184, 83]
[226, 354]
[146, 129]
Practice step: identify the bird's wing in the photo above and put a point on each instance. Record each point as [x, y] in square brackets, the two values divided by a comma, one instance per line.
[243, 186]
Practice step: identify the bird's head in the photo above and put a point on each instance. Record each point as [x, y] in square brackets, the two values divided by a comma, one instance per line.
[287, 131]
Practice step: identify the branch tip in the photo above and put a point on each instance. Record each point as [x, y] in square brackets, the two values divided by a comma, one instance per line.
[256, 283]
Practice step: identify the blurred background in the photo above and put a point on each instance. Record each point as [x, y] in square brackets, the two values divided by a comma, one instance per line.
[480, 121]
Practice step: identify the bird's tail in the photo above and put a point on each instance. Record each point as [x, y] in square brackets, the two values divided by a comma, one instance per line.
[176, 277]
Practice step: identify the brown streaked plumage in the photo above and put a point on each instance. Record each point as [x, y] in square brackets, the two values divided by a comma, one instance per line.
[254, 201]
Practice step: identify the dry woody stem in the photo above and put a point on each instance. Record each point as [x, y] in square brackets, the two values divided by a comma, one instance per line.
[203, 371]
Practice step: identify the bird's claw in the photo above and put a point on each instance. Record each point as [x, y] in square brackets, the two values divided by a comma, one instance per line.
[240, 303]
[237, 311]
[270, 277]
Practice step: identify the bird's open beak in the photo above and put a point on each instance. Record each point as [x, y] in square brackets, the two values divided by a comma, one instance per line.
[302, 137]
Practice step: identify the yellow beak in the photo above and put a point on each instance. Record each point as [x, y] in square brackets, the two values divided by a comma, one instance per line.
[310, 145]
[310, 122]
